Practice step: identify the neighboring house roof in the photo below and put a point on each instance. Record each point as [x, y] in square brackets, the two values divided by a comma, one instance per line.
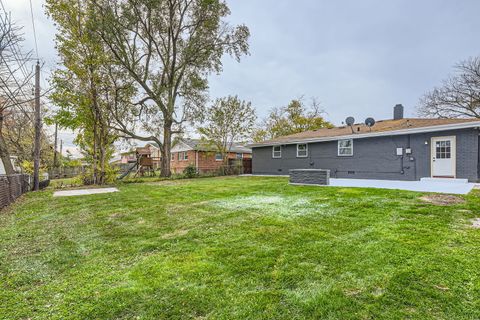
[152, 144]
[199, 145]
[143, 150]
[115, 160]
[381, 128]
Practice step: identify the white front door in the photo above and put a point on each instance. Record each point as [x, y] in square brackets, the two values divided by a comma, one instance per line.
[443, 157]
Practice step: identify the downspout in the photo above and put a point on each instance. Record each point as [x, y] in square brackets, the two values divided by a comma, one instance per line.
[196, 161]
[412, 158]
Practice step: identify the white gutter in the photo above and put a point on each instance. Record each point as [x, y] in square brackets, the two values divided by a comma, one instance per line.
[444, 127]
[196, 160]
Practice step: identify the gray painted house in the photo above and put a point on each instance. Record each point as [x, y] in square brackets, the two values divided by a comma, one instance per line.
[396, 149]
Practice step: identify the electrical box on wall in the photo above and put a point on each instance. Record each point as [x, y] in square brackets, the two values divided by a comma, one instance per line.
[408, 150]
[399, 151]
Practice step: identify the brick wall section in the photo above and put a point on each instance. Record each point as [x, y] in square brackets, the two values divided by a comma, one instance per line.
[206, 161]
[310, 176]
[177, 166]
[375, 158]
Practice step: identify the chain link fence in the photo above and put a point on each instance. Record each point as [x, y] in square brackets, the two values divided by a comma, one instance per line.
[12, 187]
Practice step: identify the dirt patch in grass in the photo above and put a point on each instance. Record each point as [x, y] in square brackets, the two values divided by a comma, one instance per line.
[442, 199]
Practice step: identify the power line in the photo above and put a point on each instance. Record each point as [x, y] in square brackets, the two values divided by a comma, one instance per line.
[34, 31]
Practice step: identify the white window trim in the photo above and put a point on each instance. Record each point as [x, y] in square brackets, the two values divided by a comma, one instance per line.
[216, 156]
[238, 153]
[273, 152]
[306, 149]
[185, 156]
[338, 148]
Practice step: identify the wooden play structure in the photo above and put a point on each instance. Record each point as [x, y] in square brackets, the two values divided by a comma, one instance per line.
[143, 164]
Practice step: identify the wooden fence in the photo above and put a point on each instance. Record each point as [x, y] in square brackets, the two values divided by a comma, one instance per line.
[12, 187]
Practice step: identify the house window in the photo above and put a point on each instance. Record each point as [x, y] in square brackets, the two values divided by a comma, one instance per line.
[179, 156]
[185, 155]
[172, 156]
[345, 147]
[218, 157]
[276, 152]
[239, 155]
[302, 150]
[443, 149]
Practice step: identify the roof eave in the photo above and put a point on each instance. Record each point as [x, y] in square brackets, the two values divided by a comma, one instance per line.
[455, 126]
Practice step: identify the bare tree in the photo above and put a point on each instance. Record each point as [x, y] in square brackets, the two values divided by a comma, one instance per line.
[458, 96]
[15, 79]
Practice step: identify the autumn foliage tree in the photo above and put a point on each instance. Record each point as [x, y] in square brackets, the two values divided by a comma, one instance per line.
[296, 117]
[165, 50]
[228, 120]
[82, 87]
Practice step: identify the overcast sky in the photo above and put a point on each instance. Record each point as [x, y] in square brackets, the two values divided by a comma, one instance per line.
[359, 58]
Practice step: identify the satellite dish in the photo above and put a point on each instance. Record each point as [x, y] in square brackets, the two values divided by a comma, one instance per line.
[370, 122]
[350, 121]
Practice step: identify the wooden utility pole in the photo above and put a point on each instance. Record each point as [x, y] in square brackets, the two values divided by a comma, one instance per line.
[38, 127]
[55, 158]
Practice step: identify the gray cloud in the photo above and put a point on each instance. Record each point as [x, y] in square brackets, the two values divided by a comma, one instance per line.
[358, 57]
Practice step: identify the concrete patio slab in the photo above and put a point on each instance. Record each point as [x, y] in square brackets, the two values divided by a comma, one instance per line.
[83, 192]
[453, 186]
[421, 186]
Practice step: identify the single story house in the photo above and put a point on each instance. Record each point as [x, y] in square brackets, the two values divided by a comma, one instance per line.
[396, 149]
[14, 162]
[127, 157]
[187, 152]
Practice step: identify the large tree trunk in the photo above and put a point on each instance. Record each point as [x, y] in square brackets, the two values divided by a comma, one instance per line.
[4, 155]
[93, 92]
[94, 152]
[167, 143]
[55, 156]
[103, 154]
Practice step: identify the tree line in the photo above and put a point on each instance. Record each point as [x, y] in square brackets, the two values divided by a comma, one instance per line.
[138, 69]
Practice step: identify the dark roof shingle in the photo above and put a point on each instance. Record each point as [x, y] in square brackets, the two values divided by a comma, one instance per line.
[197, 144]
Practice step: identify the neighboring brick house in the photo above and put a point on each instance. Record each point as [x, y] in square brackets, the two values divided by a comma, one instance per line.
[127, 157]
[193, 152]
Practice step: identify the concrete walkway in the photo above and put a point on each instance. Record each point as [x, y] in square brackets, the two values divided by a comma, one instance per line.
[83, 192]
[421, 186]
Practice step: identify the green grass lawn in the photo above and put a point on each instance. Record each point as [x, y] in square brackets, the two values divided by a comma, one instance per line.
[239, 248]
